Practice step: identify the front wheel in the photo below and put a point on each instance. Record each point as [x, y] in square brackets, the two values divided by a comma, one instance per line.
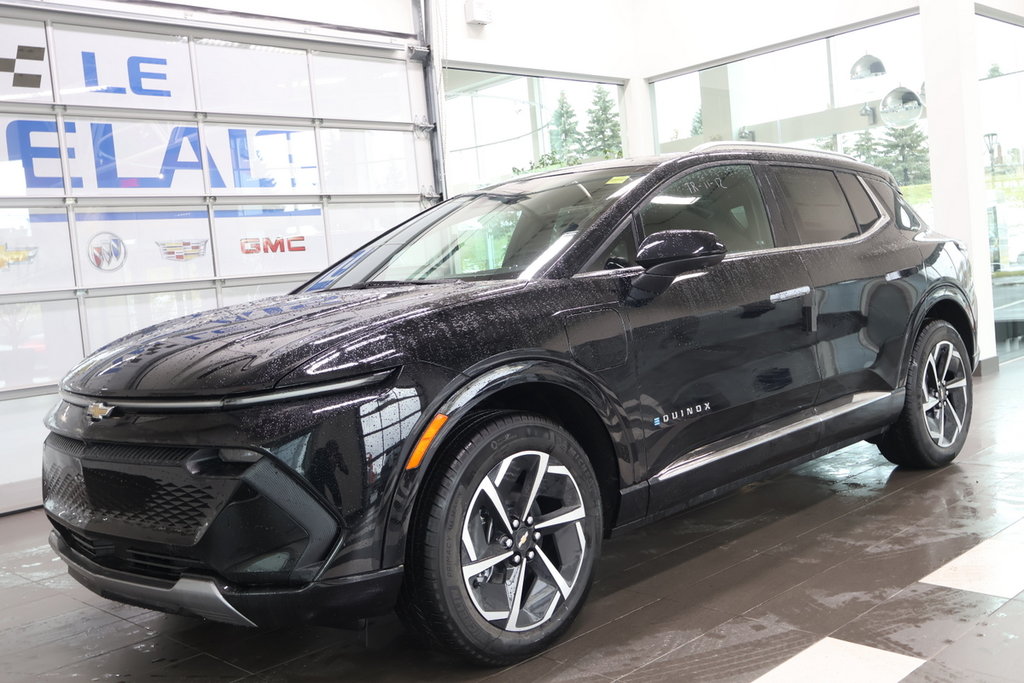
[504, 541]
[933, 426]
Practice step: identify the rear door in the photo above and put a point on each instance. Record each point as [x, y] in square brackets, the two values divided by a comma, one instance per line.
[865, 271]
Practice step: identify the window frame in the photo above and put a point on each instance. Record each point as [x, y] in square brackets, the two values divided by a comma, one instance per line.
[793, 237]
[861, 228]
[628, 223]
[776, 225]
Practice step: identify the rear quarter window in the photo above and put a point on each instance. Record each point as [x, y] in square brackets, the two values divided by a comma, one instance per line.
[817, 204]
[865, 213]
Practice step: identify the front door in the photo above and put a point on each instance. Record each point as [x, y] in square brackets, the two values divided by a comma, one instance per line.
[729, 348]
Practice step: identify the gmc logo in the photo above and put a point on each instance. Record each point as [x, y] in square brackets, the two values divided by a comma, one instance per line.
[272, 245]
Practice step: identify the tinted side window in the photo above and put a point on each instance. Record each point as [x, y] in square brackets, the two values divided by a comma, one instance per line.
[724, 200]
[898, 208]
[885, 193]
[864, 210]
[906, 217]
[621, 253]
[817, 203]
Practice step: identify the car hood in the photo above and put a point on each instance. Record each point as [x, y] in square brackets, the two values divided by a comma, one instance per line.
[284, 340]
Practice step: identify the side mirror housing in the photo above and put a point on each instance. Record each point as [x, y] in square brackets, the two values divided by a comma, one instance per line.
[674, 252]
[669, 253]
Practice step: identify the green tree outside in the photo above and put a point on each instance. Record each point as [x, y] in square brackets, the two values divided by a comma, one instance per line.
[826, 143]
[697, 124]
[904, 153]
[564, 132]
[866, 148]
[604, 136]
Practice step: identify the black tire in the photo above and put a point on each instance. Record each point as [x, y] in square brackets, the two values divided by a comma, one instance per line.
[936, 416]
[444, 598]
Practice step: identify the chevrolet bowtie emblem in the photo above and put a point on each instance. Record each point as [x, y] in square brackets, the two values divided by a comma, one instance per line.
[99, 411]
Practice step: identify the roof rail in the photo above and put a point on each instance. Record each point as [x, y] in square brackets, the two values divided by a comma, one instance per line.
[707, 146]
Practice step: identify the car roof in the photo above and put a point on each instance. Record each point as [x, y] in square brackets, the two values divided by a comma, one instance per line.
[760, 151]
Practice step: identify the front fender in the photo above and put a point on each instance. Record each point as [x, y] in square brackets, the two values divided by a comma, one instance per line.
[462, 397]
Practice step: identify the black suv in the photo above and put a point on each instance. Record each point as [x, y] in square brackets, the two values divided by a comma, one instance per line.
[451, 418]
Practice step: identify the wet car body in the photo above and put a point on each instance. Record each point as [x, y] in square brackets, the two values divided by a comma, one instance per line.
[250, 464]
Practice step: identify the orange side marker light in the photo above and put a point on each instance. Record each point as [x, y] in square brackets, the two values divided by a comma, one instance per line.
[426, 438]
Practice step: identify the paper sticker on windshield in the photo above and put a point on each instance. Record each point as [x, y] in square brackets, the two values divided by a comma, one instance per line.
[617, 180]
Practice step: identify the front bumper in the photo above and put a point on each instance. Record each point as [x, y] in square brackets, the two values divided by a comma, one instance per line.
[331, 602]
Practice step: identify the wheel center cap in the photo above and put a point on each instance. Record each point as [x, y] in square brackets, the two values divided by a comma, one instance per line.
[522, 540]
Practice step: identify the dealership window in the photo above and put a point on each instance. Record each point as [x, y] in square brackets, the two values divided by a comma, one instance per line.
[153, 173]
[1001, 88]
[501, 125]
[861, 93]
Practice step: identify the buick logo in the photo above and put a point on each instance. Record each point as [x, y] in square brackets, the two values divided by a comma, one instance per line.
[107, 251]
[98, 411]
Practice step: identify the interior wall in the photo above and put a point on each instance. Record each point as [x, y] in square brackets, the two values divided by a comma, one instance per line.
[394, 16]
[679, 35]
[638, 40]
[584, 37]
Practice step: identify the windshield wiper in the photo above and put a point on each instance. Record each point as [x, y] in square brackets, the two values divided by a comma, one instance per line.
[395, 283]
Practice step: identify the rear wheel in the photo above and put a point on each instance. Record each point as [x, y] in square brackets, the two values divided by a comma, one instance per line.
[933, 426]
[504, 541]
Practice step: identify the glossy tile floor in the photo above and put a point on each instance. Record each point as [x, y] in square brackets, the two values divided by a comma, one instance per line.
[843, 569]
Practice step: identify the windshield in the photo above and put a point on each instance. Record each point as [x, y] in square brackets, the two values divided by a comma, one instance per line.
[504, 232]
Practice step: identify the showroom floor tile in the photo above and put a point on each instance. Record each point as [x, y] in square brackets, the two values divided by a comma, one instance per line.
[844, 566]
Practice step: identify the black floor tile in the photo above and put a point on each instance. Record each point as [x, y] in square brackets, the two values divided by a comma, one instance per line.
[920, 620]
[637, 639]
[738, 650]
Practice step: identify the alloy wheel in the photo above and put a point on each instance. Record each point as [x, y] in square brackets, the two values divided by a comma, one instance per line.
[944, 392]
[523, 541]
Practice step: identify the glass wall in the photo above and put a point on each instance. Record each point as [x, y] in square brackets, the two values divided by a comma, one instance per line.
[152, 173]
[1001, 92]
[500, 125]
[861, 93]
[148, 175]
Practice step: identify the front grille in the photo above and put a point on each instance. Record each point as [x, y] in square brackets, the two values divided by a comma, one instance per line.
[163, 512]
[117, 554]
[149, 502]
[156, 564]
[114, 452]
[139, 491]
[90, 547]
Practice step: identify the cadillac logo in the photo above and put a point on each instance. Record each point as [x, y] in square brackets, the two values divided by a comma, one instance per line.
[182, 250]
[99, 411]
[107, 251]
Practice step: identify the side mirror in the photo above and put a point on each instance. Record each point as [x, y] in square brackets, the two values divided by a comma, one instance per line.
[669, 253]
[674, 252]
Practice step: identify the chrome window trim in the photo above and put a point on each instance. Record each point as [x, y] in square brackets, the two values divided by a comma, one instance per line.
[227, 401]
[880, 222]
[788, 294]
[631, 270]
